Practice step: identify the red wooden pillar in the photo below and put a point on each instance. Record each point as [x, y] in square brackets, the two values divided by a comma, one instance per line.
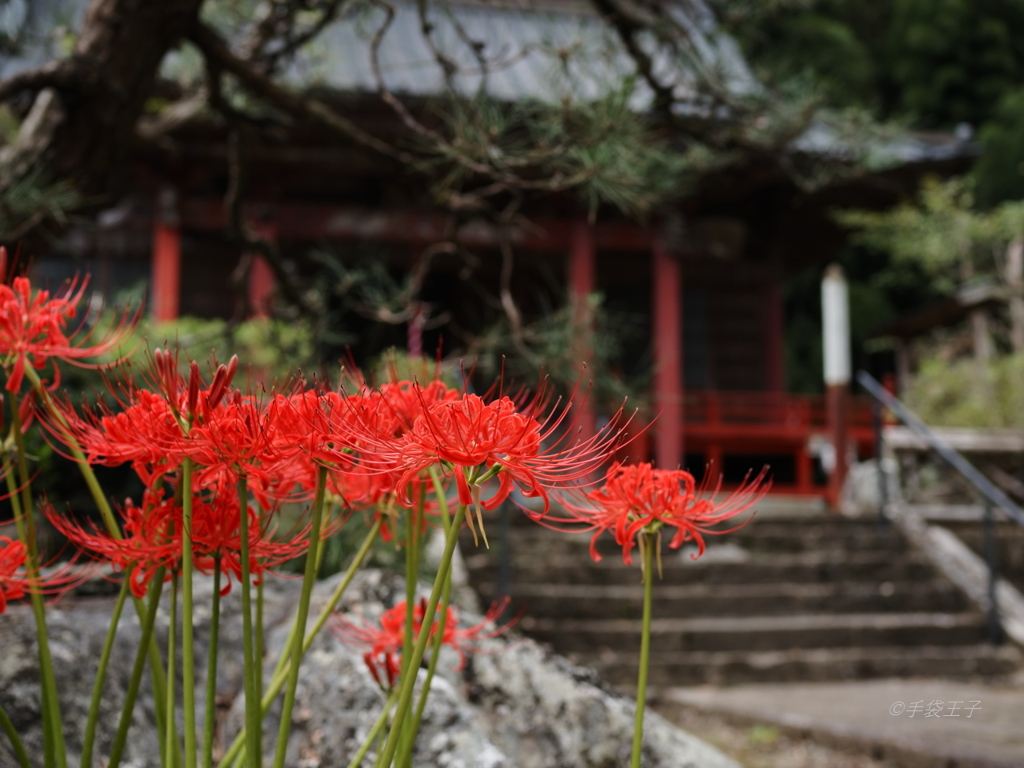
[166, 265]
[261, 277]
[582, 282]
[667, 294]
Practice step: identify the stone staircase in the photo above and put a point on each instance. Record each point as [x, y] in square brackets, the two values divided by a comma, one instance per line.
[789, 597]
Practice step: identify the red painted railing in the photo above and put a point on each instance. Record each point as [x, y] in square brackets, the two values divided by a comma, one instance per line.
[723, 429]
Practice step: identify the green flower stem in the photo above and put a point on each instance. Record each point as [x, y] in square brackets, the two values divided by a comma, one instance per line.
[409, 683]
[12, 735]
[649, 542]
[210, 713]
[405, 755]
[281, 673]
[253, 720]
[374, 733]
[156, 586]
[412, 549]
[188, 661]
[19, 522]
[297, 650]
[53, 725]
[110, 522]
[172, 634]
[89, 739]
[77, 454]
[258, 645]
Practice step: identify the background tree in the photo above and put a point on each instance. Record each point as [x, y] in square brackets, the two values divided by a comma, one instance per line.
[676, 102]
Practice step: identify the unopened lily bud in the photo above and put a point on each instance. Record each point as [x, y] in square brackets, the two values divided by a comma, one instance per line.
[193, 388]
[222, 380]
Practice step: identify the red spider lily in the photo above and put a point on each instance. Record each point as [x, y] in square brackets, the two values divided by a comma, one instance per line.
[13, 556]
[384, 642]
[391, 410]
[639, 498]
[151, 427]
[383, 417]
[342, 432]
[153, 539]
[34, 327]
[146, 433]
[239, 438]
[475, 441]
[303, 423]
[16, 581]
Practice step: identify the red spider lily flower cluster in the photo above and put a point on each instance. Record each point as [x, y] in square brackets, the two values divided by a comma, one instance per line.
[153, 539]
[226, 436]
[36, 327]
[474, 441]
[376, 445]
[384, 642]
[639, 498]
[17, 580]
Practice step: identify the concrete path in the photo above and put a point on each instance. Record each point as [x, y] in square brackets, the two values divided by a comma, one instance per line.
[914, 723]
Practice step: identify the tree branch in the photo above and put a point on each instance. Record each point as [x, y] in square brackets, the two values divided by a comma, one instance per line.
[626, 28]
[59, 75]
[279, 20]
[214, 47]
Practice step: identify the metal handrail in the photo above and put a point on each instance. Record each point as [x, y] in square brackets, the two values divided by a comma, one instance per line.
[984, 486]
[993, 496]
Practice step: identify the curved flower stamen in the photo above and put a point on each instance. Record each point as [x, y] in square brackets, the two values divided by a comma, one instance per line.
[639, 498]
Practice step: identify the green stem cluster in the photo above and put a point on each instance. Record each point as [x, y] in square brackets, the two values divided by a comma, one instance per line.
[54, 750]
[280, 676]
[408, 683]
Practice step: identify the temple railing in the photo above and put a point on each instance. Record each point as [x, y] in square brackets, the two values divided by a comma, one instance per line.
[993, 499]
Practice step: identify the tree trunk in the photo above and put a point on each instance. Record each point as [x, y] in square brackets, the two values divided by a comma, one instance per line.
[1015, 282]
[982, 337]
[83, 128]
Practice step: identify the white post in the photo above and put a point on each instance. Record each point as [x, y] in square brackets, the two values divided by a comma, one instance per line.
[835, 312]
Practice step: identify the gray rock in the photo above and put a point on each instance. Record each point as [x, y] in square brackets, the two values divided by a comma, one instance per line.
[513, 705]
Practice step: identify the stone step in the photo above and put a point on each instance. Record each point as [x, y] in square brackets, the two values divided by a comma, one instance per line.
[678, 568]
[806, 665]
[773, 539]
[760, 633]
[681, 600]
[806, 597]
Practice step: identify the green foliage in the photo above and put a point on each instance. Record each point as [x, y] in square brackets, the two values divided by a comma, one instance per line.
[763, 735]
[964, 394]
[824, 44]
[604, 149]
[398, 365]
[999, 172]
[273, 350]
[938, 62]
[948, 61]
[32, 199]
[942, 232]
